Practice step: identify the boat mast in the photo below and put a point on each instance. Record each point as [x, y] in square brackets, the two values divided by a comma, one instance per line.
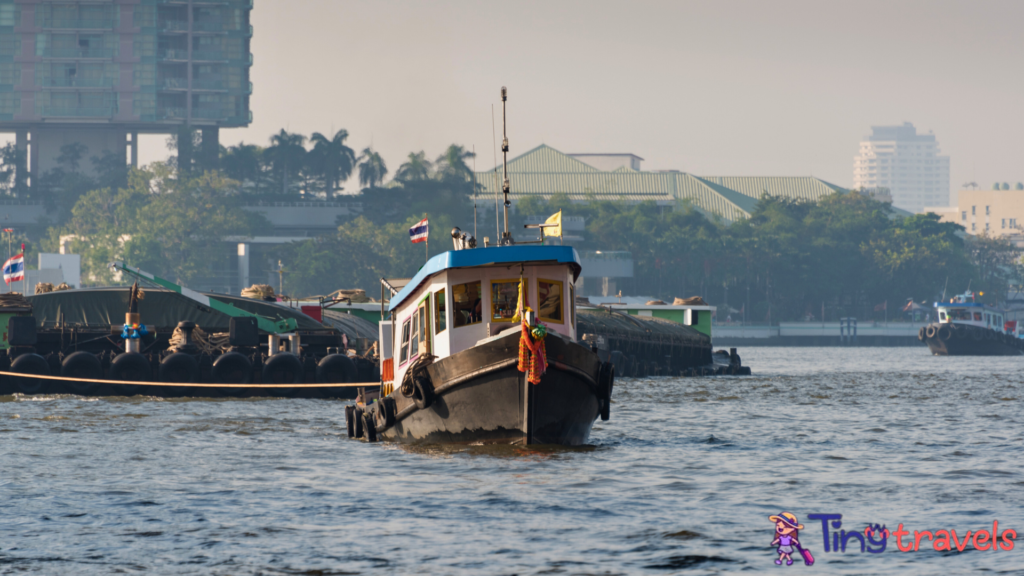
[506, 237]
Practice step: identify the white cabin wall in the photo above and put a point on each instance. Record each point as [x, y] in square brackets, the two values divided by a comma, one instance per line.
[439, 344]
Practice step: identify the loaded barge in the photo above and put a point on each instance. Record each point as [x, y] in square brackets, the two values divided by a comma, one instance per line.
[177, 343]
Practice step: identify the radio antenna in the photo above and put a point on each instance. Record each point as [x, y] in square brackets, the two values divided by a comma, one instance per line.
[506, 237]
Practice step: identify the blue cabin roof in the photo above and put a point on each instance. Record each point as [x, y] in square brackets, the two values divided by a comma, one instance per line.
[477, 257]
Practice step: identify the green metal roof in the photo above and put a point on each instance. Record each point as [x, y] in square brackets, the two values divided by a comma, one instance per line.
[544, 171]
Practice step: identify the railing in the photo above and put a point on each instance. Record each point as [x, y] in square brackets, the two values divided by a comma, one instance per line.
[79, 23]
[210, 113]
[208, 55]
[78, 53]
[79, 82]
[174, 25]
[175, 83]
[208, 26]
[91, 112]
[207, 84]
[174, 54]
[171, 113]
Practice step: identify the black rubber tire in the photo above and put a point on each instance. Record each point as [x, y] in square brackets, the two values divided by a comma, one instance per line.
[921, 334]
[386, 412]
[929, 332]
[283, 368]
[336, 369]
[977, 335]
[30, 363]
[130, 366]
[369, 430]
[232, 368]
[944, 333]
[350, 421]
[357, 417]
[179, 367]
[81, 364]
[422, 392]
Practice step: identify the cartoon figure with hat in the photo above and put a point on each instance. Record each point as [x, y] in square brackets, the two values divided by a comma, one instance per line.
[786, 533]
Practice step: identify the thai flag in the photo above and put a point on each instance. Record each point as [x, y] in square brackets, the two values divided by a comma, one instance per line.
[418, 233]
[14, 269]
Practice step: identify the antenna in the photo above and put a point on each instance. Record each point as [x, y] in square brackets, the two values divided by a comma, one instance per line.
[474, 190]
[494, 141]
[506, 238]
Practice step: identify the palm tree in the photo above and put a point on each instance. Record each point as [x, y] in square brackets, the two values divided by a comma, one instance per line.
[332, 160]
[452, 164]
[287, 155]
[417, 167]
[372, 168]
[242, 162]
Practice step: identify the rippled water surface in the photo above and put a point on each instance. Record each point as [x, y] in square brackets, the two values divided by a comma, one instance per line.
[681, 479]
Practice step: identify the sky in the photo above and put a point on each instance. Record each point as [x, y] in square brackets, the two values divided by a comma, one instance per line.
[743, 88]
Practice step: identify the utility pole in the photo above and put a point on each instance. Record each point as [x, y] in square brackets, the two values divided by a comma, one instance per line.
[280, 278]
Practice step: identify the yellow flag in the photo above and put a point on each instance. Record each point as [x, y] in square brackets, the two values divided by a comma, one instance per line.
[553, 231]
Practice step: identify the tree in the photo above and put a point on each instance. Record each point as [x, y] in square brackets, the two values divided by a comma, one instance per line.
[166, 224]
[452, 164]
[417, 167]
[243, 163]
[332, 160]
[372, 168]
[287, 156]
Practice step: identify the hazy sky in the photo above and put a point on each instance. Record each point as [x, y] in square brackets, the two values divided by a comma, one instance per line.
[712, 88]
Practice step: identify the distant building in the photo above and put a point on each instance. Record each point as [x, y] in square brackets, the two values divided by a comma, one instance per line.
[905, 162]
[100, 73]
[991, 212]
[544, 171]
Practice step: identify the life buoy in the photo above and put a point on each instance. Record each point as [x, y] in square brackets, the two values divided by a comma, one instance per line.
[30, 363]
[81, 364]
[336, 369]
[283, 368]
[422, 392]
[930, 331]
[179, 367]
[232, 368]
[944, 333]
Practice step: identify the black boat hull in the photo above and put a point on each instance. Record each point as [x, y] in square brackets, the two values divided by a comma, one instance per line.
[482, 397]
[966, 340]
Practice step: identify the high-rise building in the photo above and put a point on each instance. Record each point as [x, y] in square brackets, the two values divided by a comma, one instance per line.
[906, 163]
[99, 73]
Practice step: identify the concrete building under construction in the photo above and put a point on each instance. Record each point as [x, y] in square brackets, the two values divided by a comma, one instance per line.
[99, 73]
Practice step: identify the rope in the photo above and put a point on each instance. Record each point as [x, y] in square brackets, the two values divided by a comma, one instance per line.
[187, 385]
[207, 343]
[259, 292]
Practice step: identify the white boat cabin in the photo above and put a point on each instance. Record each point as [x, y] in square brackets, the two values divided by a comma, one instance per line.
[963, 309]
[463, 297]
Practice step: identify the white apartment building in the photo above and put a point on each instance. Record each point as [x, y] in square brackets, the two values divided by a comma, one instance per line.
[905, 162]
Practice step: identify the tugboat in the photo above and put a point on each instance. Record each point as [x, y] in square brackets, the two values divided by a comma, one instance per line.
[472, 360]
[970, 328]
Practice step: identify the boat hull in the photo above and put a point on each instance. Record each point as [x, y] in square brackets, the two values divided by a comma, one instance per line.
[482, 397]
[966, 340]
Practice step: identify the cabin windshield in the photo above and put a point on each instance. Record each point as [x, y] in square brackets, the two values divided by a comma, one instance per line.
[468, 304]
[961, 314]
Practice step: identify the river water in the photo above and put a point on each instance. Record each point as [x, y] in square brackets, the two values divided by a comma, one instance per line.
[681, 479]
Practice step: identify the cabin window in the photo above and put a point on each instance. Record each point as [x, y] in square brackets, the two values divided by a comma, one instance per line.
[423, 344]
[467, 307]
[504, 300]
[572, 304]
[550, 297]
[440, 309]
[414, 336]
[403, 356]
[942, 316]
[988, 318]
[977, 316]
[960, 314]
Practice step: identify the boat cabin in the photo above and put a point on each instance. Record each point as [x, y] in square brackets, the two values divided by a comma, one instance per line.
[962, 309]
[463, 297]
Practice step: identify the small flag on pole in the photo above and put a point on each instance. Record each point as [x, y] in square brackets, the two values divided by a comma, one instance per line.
[14, 269]
[418, 233]
[554, 226]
